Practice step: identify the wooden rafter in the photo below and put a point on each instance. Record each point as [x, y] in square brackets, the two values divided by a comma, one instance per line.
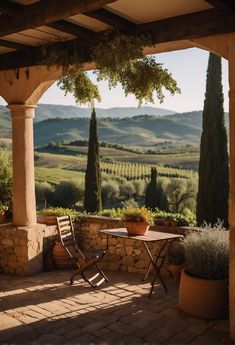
[204, 23]
[45, 12]
[70, 28]
[14, 45]
[9, 8]
[111, 19]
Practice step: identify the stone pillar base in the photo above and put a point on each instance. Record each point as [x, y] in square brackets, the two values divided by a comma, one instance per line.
[21, 249]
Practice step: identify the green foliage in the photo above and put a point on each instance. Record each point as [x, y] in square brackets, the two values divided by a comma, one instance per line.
[92, 199]
[120, 59]
[3, 208]
[212, 198]
[78, 83]
[43, 191]
[181, 193]
[130, 203]
[176, 255]
[155, 196]
[207, 252]
[111, 212]
[110, 192]
[141, 214]
[58, 211]
[67, 194]
[187, 219]
[5, 178]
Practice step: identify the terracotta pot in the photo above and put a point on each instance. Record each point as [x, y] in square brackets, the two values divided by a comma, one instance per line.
[159, 221]
[176, 271]
[203, 298]
[61, 257]
[50, 220]
[2, 217]
[173, 223]
[136, 228]
[167, 222]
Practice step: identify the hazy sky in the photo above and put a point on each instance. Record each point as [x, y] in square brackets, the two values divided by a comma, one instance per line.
[188, 67]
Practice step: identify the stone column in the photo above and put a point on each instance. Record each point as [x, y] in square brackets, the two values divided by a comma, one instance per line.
[232, 185]
[24, 205]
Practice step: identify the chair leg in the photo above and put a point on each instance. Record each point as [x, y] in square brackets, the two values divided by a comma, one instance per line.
[102, 272]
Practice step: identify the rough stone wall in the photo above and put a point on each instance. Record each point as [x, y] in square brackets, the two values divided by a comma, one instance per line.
[123, 254]
[25, 250]
[21, 249]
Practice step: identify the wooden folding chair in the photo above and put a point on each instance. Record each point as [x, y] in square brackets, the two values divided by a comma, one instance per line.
[89, 259]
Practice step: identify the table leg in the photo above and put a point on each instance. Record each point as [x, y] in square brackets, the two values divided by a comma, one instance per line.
[158, 264]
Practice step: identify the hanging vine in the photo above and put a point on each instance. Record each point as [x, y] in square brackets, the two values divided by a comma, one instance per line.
[119, 59]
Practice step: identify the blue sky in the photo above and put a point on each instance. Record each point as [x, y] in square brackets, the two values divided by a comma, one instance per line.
[188, 67]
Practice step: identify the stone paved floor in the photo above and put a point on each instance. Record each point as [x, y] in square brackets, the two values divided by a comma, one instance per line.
[44, 309]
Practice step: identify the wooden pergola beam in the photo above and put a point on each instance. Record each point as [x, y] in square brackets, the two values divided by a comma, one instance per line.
[188, 26]
[9, 8]
[194, 25]
[225, 5]
[70, 28]
[111, 19]
[45, 12]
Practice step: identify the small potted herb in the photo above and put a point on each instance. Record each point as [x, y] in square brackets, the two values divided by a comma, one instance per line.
[176, 261]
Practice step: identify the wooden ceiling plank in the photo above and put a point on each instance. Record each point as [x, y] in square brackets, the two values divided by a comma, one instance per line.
[9, 8]
[70, 28]
[45, 12]
[111, 19]
[194, 25]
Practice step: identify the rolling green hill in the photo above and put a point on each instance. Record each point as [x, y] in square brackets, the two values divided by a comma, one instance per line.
[142, 130]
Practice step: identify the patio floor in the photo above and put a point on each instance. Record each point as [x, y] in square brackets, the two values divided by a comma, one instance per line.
[44, 309]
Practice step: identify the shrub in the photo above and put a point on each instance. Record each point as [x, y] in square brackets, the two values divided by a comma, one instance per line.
[207, 252]
[111, 212]
[58, 211]
[67, 193]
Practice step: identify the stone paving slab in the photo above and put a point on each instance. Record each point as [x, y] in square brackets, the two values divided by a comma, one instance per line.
[45, 309]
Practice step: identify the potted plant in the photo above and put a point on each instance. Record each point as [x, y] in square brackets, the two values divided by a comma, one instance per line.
[137, 220]
[176, 261]
[51, 213]
[204, 281]
[159, 218]
[3, 209]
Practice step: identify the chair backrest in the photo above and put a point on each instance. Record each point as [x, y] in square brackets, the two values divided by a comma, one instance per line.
[65, 230]
[67, 237]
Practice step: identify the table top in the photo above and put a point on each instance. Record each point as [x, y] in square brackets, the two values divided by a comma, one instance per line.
[150, 236]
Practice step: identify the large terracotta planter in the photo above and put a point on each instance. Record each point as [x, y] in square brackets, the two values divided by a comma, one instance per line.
[61, 257]
[203, 298]
[136, 228]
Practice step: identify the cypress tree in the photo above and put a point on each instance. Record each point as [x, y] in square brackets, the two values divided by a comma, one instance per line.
[212, 198]
[155, 195]
[92, 200]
